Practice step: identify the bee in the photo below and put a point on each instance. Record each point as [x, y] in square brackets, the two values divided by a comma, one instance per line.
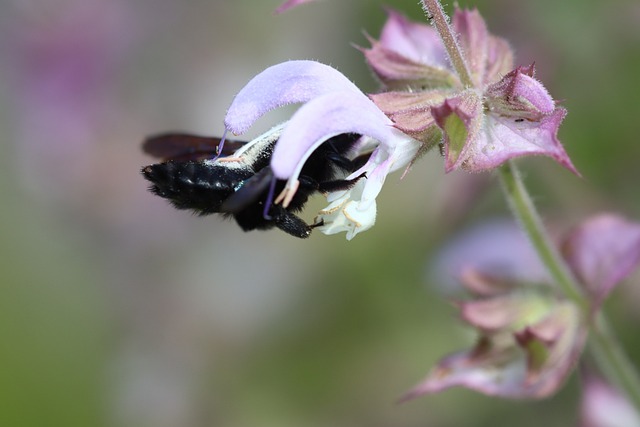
[235, 179]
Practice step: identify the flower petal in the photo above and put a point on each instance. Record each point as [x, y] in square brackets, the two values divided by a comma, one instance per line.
[502, 138]
[518, 94]
[553, 347]
[605, 406]
[282, 84]
[497, 250]
[409, 55]
[508, 312]
[324, 117]
[601, 252]
[336, 113]
[354, 210]
[415, 41]
[474, 40]
[411, 111]
[399, 72]
[345, 214]
[533, 364]
[488, 57]
[499, 59]
[468, 370]
[289, 4]
[460, 119]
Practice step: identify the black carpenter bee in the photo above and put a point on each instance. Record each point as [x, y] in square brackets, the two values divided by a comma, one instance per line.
[238, 181]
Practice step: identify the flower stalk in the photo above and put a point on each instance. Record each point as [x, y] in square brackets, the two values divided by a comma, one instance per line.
[613, 361]
[525, 212]
[434, 11]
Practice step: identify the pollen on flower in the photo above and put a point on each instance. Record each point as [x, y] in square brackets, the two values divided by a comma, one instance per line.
[356, 224]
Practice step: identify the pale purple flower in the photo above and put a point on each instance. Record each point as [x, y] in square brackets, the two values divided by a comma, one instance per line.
[529, 336]
[497, 248]
[290, 4]
[333, 105]
[604, 406]
[506, 113]
[61, 79]
[602, 251]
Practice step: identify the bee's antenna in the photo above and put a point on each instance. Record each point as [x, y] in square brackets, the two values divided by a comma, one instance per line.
[220, 144]
[269, 201]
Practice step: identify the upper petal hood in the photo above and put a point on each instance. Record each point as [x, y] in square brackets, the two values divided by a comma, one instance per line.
[282, 84]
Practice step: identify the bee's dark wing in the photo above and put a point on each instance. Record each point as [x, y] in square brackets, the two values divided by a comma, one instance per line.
[250, 192]
[183, 146]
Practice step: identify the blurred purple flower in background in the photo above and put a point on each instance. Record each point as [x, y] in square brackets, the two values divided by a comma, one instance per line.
[602, 251]
[529, 337]
[604, 406]
[495, 247]
[290, 4]
[62, 64]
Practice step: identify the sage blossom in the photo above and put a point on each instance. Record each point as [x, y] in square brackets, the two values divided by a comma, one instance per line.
[332, 105]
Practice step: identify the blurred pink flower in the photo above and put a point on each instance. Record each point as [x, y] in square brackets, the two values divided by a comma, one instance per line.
[604, 406]
[63, 59]
[529, 337]
[529, 341]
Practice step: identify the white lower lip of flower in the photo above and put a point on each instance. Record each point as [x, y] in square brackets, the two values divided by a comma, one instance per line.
[354, 210]
[346, 213]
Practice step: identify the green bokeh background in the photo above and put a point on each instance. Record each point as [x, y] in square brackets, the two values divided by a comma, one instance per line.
[117, 311]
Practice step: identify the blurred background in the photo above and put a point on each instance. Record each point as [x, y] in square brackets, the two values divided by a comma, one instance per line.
[117, 310]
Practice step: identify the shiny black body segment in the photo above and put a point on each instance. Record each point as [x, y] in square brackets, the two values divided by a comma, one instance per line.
[238, 186]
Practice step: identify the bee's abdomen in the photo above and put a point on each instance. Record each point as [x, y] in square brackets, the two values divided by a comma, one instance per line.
[194, 185]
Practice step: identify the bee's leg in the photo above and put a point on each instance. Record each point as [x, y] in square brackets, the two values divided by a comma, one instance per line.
[340, 184]
[328, 186]
[309, 184]
[290, 223]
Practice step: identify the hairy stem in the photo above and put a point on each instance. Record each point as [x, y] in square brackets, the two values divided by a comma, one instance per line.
[524, 210]
[436, 14]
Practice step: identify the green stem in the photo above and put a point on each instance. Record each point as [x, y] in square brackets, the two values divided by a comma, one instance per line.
[608, 354]
[613, 361]
[434, 10]
[524, 210]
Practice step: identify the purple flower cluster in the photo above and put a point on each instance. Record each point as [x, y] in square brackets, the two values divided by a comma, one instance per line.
[505, 113]
[463, 93]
